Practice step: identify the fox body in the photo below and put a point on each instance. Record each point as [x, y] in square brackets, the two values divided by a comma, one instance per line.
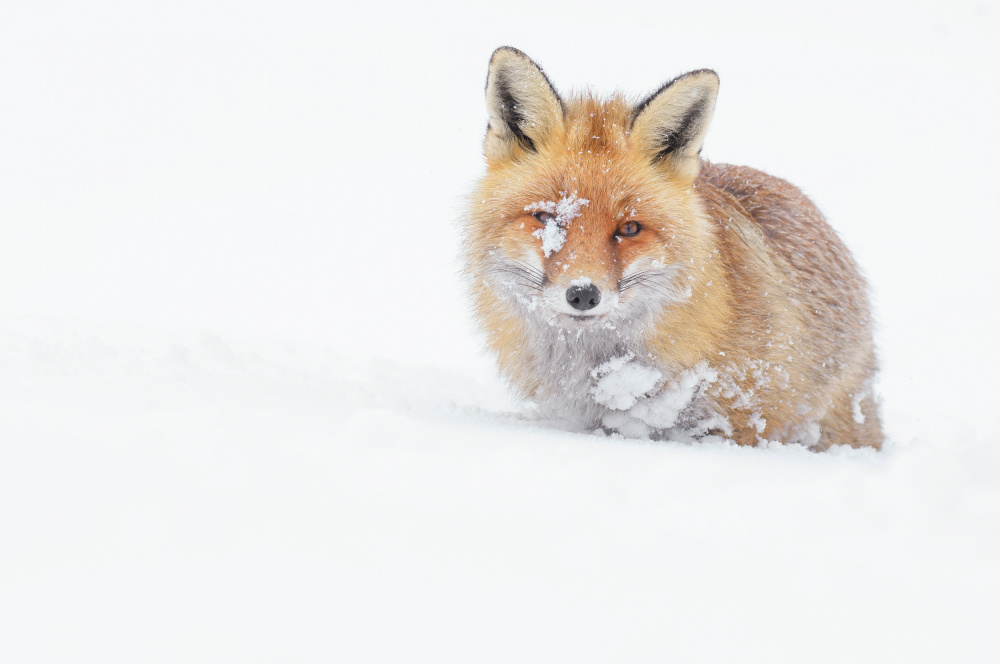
[624, 283]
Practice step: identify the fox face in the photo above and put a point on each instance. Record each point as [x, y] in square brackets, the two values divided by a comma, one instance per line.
[587, 207]
[584, 257]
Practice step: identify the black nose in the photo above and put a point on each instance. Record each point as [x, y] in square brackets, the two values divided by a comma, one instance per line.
[583, 297]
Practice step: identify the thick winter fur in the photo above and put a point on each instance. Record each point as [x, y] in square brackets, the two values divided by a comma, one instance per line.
[734, 310]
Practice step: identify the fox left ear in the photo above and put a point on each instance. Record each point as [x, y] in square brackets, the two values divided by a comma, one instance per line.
[523, 106]
[670, 124]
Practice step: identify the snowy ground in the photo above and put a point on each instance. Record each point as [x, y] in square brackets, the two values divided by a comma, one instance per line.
[243, 416]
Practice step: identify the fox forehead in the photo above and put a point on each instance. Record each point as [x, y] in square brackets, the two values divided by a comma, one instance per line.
[589, 156]
[597, 126]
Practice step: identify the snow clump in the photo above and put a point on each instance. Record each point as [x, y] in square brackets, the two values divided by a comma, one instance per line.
[620, 382]
[566, 209]
[641, 400]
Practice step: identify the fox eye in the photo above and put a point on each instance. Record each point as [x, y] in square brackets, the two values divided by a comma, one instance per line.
[545, 217]
[629, 229]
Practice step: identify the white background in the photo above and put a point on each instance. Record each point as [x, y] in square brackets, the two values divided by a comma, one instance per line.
[244, 416]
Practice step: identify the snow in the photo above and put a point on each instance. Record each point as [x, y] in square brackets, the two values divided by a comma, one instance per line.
[565, 210]
[621, 381]
[244, 417]
[552, 235]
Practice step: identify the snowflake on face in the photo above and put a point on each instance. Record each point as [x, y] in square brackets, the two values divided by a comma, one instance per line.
[565, 210]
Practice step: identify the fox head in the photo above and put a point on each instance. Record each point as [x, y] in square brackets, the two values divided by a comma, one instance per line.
[588, 215]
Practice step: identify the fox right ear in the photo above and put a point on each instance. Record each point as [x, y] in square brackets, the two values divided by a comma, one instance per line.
[523, 106]
[670, 124]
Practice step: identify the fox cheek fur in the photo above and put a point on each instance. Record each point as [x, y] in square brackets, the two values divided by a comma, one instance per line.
[625, 283]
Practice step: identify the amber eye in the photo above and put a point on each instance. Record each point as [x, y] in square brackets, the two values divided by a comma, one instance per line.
[545, 217]
[629, 229]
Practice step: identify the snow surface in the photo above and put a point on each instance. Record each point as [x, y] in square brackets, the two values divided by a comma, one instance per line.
[243, 416]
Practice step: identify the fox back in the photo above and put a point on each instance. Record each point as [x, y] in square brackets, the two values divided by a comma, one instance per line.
[626, 284]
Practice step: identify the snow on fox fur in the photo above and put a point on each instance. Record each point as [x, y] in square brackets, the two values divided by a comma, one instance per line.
[625, 284]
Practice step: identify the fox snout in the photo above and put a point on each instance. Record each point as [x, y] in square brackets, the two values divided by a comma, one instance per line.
[583, 297]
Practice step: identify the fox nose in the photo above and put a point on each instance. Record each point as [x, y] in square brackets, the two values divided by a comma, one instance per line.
[583, 298]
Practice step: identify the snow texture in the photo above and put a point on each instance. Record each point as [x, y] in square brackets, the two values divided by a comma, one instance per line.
[243, 416]
[565, 210]
[643, 403]
[620, 382]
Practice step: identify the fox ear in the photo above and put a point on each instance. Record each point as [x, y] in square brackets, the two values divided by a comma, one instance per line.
[523, 106]
[670, 124]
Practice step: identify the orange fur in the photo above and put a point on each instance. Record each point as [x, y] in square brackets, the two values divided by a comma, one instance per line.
[755, 301]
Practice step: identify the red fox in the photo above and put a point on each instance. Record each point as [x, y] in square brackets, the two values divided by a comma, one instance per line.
[628, 285]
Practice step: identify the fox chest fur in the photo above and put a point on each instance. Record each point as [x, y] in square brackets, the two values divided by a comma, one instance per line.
[624, 283]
